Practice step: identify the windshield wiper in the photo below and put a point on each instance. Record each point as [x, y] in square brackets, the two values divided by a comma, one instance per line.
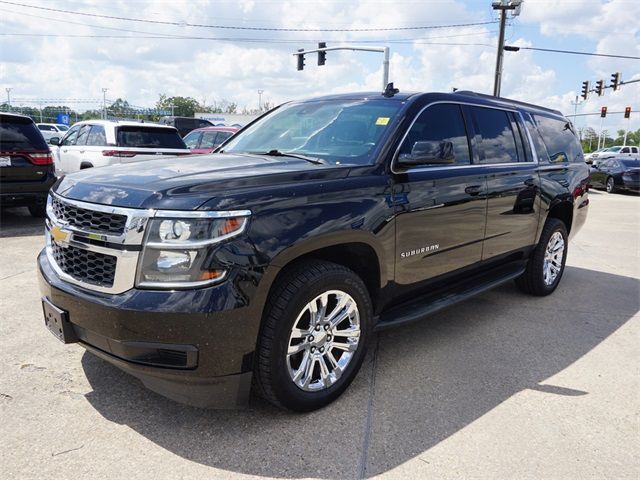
[278, 153]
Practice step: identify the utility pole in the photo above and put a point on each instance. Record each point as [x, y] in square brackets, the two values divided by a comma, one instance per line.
[575, 111]
[260, 92]
[40, 112]
[503, 6]
[104, 103]
[9, 97]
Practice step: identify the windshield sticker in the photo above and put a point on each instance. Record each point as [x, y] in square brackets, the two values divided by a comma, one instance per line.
[382, 121]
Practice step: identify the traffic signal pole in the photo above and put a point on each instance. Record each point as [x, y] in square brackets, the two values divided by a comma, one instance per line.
[384, 50]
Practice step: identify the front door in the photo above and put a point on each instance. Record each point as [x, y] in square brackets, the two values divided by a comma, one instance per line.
[441, 207]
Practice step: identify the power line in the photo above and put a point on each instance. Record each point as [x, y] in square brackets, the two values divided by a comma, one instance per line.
[154, 35]
[234, 27]
[571, 52]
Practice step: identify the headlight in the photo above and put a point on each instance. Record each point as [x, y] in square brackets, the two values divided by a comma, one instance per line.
[175, 250]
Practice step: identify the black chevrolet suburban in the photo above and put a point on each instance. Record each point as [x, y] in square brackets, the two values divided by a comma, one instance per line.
[271, 263]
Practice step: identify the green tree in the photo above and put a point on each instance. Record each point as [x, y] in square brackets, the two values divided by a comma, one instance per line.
[181, 106]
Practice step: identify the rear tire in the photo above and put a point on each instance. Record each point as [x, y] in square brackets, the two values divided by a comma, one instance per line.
[546, 264]
[611, 185]
[38, 210]
[292, 331]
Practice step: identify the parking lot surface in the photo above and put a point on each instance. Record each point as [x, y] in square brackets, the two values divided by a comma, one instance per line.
[501, 386]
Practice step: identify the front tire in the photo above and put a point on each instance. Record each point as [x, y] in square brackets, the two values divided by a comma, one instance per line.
[38, 210]
[314, 336]
[546, 264]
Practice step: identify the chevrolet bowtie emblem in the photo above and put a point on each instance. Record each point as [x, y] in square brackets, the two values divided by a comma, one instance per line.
[59, 235]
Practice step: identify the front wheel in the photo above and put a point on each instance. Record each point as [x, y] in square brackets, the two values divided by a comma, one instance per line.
[314, 336]
[546, 264]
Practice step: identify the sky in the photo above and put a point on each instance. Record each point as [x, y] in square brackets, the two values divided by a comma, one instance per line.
[44, 62]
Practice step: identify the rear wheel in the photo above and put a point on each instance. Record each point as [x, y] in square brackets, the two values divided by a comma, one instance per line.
[314, 336]
[611, 186]
[546, 264]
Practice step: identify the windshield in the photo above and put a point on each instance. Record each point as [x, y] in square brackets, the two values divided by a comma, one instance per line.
[335, 131]
[63, 128]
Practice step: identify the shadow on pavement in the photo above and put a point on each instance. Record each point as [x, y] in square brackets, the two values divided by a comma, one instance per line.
[17, 222]
[432, 379]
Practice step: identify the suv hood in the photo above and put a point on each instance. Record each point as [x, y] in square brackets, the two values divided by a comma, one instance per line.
[185, 183]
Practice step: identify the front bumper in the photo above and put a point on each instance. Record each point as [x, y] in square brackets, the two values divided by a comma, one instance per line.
[193, 346]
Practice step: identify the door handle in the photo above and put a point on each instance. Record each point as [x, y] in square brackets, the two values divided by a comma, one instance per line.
[81, 151]
[473, 190]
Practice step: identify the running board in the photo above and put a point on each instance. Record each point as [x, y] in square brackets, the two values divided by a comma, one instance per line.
[428, 304]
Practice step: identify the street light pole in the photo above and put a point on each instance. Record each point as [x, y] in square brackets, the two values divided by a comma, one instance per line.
[9, 97]
[503, 6]
[260, 92]
[104, 103]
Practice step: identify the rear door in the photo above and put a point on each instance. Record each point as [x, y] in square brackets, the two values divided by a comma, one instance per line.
[441, 209]
[96, 143]
[512, 180]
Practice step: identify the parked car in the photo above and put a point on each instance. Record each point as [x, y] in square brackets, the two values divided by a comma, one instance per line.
[206, 140]
[50, 130]
[617, 151]
[26, 165]
[616, 174]
[185, 124]
[589, 157]
[98, 143]
[276, 259]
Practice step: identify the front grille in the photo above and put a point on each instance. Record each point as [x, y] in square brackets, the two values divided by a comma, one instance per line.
[85, 266]
[91, 220]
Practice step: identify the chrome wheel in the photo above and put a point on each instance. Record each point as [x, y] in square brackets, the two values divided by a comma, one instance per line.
[553, 258]
[610, 185]
[323, 340]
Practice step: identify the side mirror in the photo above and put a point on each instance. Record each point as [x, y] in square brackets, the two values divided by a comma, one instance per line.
[54, 141]
[429, 153]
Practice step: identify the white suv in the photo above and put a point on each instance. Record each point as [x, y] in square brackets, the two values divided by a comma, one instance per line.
[50, 130]
[98, 143]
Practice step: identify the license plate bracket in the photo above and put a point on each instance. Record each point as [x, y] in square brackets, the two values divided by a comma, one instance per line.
[57, 321]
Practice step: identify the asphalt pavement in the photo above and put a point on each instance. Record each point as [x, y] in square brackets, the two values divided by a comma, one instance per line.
[501, 386]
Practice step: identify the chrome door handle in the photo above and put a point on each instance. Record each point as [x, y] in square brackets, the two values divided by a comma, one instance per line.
[81, 151]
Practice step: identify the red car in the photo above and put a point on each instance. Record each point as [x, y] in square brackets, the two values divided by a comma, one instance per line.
[207, 139]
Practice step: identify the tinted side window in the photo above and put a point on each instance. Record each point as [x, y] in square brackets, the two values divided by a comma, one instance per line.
[440, 123]
[97, 136]
[222, 136]
[208, 140]
[497, 142]
[560, 139]
[82, 136]
[625, 150]
[72, 134]
[539, 145]
[192, 139]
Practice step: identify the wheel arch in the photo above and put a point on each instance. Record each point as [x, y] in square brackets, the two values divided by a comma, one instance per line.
[562, 209]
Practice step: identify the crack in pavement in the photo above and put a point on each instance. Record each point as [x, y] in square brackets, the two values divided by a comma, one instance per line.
[14, 275]
[362, 469]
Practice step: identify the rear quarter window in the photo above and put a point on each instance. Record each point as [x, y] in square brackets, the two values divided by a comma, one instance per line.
[148, 137]
[18, 133]
[559, 138]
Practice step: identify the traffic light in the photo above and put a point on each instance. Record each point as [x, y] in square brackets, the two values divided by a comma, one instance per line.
[603, 112]
[300, 59]
[627, 112]
[585, 89]
[615, 81]
[322, 56]
[600, 87]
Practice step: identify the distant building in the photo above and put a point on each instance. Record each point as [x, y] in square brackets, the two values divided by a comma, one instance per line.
[226, 119]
